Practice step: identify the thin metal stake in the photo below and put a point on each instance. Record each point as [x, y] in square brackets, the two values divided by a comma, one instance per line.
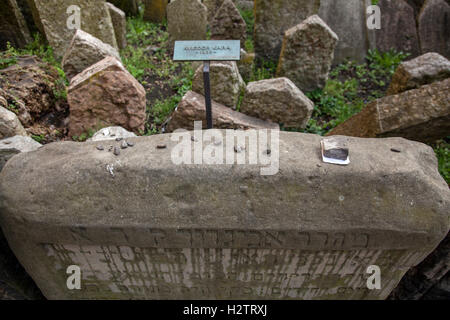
[207, 85]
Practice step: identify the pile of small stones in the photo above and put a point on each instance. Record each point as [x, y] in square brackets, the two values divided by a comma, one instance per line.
[116, 149]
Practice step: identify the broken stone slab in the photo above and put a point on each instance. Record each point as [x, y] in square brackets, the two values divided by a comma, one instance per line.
[56, 21]
[398, 28]
[112, 133]
[84, 51]
[335, 148]
[226, 82]
[307, 232]
[192, 108]
[347, 18]
[155, 10]
[277, 100]
[307, 54]
[14, 145]
[421, 114]
[273, 18]
[119, 22]
[228, 24]
[425, 69]
[186, 20]
[106, 94]
[9, 123]
[434, 23]
[13, 28]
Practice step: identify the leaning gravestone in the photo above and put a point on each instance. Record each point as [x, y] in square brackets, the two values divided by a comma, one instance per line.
[140, 226]
[186, 20]
[13, 28]
[94, 17]
[84, 51]
[228, 24]
[273, 18]
[105, 94]
[307, 54]
[421, 114]
[434, 26]
[398, 28]
[119, 22]
[347, 18]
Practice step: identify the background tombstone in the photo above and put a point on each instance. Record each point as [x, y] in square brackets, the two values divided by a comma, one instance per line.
[273, 18]
[155, 10]
[347, 18]
[186, 20]
[95, 19]
[398, 28]
[119, 22]
[307, 54]
[228, 24]
[87, 217]
[434, 26]
[13, 27]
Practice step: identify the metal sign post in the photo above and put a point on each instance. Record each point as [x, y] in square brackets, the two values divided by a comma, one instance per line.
[207, 51]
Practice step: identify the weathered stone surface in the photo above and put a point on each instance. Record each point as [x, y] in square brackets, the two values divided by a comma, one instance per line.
[228, 24]
[347, 18]
[119, 22]
[307, 54]
[95, 20]
[226, 82]
[398, 28]
[84, 51]
[245, 65]
[9, 123]
[273, 18]
[155, 10]
[212, 6]
[434, 23]
[13, 27]
[111, 133]
[277, 100]
[30, 86]
[431, 273]
[130, 7]
[14, 145]
[298, 234]
[420, 114]
[186, 20]
[425, 69]
[106, 94]
[192, 108]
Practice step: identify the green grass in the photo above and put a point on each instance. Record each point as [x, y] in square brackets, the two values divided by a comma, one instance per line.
[442, 150]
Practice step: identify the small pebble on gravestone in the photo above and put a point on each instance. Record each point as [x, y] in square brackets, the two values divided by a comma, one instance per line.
[395, 150]
[238, 149]
[161, 146]
[7, 142]
[124, 145]
[119, 139]
[130, 144]
[100, 147]
[116, 151]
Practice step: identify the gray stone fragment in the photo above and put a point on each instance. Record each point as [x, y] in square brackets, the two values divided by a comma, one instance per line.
[186, 20]
[119, 22]
[9, 124]
[84, 51]
[14, 145]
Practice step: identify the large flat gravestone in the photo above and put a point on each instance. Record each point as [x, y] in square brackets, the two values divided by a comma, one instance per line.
[140, 226]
